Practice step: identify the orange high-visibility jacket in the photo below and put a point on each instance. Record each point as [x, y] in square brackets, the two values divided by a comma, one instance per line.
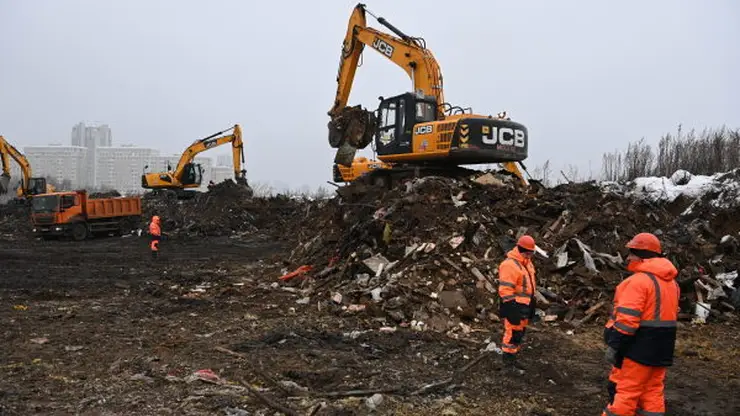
[642, 326]
[516, 277]
[154, 229]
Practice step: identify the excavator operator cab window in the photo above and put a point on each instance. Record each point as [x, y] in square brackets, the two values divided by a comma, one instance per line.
[388, 114]
[425, 112]
[395, 125]
[36, 186]
[192, 174]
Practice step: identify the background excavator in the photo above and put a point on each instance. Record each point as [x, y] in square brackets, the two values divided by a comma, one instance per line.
[29, 186]
[188, 174]
[416, 131]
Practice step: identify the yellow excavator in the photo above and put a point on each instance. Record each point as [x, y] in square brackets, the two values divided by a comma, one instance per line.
[417, 131]
[188, 174]
[29, 186]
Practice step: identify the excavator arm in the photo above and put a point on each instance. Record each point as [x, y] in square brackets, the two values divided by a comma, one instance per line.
[405, 51]
[29, 185]
[351, 127]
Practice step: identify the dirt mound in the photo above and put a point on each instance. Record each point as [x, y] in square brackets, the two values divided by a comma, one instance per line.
[14, 221]
[428, 250]
[105, 194]
[226, 209]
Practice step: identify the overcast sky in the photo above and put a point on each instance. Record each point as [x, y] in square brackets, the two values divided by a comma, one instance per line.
[585, 77]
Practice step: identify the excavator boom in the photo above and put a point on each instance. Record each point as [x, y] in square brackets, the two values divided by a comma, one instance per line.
[405, 51]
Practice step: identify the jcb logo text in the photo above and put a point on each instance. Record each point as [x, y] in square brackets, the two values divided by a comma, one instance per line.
[383, 47]
[506, 136]
[423, 130]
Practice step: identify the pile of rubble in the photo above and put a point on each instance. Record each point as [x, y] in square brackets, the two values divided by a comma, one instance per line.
[227, 209]
[426, 253]
[14, 221]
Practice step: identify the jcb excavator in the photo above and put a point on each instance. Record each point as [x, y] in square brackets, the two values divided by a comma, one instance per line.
[29, 186]
[415, 131]
[189, 175]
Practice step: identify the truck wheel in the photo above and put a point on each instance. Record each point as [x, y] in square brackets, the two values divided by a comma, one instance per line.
[79, 232]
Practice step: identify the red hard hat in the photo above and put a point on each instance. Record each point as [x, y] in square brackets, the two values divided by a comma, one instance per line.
[645, 241]
[526, 242]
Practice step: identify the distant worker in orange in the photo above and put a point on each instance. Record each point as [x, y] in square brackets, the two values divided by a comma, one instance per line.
[155, 231]
[641, 332]
[516, 288]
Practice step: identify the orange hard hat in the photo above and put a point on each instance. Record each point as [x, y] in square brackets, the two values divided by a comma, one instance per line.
[155, 218]
[645, 241]
[526, 242]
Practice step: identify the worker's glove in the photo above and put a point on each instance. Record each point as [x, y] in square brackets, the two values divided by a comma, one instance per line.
[511, 310]
[610, 356]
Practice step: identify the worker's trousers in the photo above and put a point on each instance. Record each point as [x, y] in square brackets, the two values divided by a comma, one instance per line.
[154, 245]
[636, 389]
[513, 336]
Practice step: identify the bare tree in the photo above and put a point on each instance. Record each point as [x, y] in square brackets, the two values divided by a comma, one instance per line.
[705, 153]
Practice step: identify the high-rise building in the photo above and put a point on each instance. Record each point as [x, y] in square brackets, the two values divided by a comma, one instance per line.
[92, 135]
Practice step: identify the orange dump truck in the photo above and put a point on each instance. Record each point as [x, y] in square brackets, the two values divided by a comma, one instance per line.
[74, 214]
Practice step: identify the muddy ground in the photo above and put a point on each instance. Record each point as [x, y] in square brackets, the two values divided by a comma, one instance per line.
[99, 328]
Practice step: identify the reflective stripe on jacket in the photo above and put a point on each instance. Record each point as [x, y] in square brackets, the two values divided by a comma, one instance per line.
[642, 326]
[516, 278]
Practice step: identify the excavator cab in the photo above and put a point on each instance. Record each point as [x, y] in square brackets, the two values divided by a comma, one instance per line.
[36, 186]
[192, 175]
[397, 117]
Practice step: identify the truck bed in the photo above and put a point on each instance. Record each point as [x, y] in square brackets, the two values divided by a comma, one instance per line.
[113, 207]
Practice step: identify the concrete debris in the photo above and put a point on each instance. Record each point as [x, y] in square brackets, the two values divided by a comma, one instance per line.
[374, 401]
[489, 179]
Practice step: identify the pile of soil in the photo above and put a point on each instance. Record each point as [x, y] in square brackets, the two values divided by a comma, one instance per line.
[14, 221]
[226, 209]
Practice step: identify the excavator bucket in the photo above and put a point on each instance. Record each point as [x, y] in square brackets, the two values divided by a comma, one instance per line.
[345, 155]
[4, 183]
[243, 182]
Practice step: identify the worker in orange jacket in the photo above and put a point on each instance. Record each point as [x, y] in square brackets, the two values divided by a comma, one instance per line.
[516, 288]
[155, 231]
[641, 332]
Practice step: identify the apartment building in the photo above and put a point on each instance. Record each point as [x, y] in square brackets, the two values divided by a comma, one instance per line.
[221, 173]
[60, 163]
[120, 168]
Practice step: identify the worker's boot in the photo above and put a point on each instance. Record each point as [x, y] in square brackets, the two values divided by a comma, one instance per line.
[511, 365]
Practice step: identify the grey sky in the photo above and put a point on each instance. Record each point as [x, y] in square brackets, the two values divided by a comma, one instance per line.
[585, 77]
